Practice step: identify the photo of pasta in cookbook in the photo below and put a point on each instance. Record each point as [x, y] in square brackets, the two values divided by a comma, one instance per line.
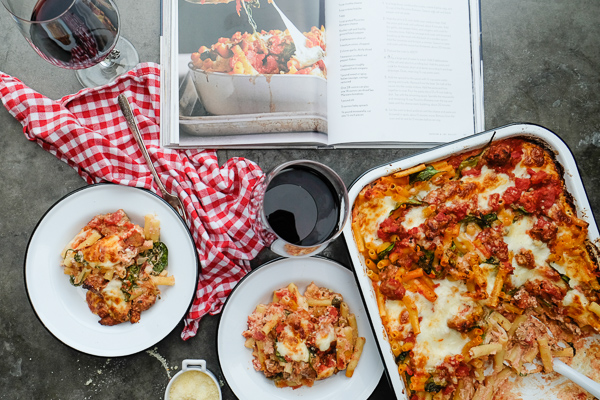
[271, 52]
[246, 61]
[317, 73]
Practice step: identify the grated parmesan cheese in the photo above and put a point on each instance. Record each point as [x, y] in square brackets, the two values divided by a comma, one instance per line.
[194, 385]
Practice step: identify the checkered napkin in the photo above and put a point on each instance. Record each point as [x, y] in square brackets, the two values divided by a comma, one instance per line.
[88, 131]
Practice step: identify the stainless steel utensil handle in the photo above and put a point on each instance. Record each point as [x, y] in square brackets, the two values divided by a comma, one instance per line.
[129, 117]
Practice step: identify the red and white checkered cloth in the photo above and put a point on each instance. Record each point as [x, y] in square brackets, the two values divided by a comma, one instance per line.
[88, 131]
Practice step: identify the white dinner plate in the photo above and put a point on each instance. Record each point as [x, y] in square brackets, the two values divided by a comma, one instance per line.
[62, 308]
[256, 288]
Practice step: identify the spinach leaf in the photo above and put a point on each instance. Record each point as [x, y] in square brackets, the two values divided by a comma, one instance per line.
[383, 254]
[520, 209]
[433, 387]
[158, 256]
[413, 202]
[426, 261]
[473, 160]
[336, 302]
[279, 356]
[78, 257]
[452, 246]
[425, 175]
[468, 162]
[488, 219]
[402, 356]
[470, 218]
[485, 221]
[72, 281]
[545, 302]
[409, 202]
[453, 254]
[132, 274]
[492, 261]
[288, 51]
[80, 278]
[208, 54]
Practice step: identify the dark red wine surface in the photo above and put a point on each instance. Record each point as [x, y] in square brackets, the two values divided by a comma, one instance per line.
[302, 206]
[80, 37]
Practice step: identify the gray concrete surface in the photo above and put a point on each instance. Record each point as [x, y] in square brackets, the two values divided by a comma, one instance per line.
[541, 63]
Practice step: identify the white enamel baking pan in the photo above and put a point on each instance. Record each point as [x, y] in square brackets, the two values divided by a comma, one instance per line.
[533, 386]
[224, 94]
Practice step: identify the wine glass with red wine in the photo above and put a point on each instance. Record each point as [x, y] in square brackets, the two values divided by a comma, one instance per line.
[302, 207]
[76, 34]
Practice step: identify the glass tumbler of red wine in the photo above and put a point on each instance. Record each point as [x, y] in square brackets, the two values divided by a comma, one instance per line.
[302, 207]
[76, 34]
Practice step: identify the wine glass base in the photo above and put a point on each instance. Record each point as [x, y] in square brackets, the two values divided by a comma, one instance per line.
[108, 70]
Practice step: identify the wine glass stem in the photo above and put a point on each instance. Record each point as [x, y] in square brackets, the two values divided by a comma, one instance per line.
[110, 60]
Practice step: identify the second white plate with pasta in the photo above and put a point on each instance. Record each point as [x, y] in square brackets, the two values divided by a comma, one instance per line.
[257, 288]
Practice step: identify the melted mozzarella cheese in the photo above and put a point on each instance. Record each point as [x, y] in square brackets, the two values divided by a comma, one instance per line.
[437, 340]
[107, 253]
[561, 270]
[413, 218]
[573, 283]
[520, 171]
[291, 346]
[478, 179]
[421, 195]
[114, 297]
[575, 296]
[375, 212]
[517, 239]
[324, 337]
[502, 183]
[85, 238]
[522, 275]
[394, 309]
[488, 187]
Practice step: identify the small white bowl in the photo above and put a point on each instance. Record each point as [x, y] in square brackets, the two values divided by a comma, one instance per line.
[193, 365]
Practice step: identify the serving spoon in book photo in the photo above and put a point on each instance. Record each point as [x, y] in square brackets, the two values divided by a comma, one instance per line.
[305, 55]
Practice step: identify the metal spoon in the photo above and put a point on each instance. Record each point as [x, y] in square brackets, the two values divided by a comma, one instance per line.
[305, 55]
[575, 376]
[174, 201]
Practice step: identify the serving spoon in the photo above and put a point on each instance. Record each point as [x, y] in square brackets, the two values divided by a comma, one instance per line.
[305, 55]
[577, 377]
[174, 201]
[572, 374]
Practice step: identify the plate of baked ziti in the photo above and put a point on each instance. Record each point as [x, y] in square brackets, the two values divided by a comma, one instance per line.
[297, 328]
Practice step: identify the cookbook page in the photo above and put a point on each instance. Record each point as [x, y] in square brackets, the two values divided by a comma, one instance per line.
[402, 71]
[240, 74]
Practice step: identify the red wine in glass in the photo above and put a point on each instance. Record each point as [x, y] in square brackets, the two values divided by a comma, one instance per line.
[77, 34]
[302, 206]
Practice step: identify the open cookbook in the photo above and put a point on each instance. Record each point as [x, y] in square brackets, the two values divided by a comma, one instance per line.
[320, 73]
